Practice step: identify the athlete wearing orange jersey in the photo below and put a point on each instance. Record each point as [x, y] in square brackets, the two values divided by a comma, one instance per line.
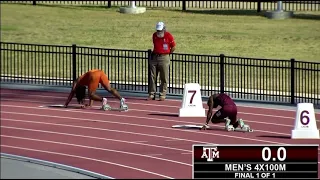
[92, 79]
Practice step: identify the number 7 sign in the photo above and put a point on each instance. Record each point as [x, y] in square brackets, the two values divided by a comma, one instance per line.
[192, 96]
[192, 101]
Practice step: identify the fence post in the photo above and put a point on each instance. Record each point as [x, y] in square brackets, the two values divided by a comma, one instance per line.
[222, 73]
[149, 58]
[292, 81]
[258, 6]
[34, 2]
[184, 6]
[109, 3]
[74, 62]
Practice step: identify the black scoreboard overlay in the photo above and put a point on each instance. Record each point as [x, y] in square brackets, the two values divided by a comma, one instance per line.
[255, 161]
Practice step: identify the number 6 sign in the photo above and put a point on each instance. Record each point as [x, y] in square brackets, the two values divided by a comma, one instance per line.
[305, 123]
[304, 117]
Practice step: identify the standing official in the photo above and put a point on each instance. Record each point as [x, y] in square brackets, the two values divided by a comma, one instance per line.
[163, 45]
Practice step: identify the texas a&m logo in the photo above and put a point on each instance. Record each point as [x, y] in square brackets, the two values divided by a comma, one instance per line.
[210, 153]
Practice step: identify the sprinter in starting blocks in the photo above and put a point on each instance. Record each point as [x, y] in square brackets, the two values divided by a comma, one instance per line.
[227, 113]
[92, 79]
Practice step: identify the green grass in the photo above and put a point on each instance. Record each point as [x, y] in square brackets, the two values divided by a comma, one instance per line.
[232, 32]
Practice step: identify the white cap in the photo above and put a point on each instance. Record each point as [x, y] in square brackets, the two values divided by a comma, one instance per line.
[159, 26]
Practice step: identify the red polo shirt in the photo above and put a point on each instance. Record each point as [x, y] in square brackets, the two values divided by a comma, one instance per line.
[163, 45]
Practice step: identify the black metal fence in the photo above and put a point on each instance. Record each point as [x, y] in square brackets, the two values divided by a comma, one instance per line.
[281, 81]
[219, 4]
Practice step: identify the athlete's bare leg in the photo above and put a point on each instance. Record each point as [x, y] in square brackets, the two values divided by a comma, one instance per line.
[111, 90]
[93, 96]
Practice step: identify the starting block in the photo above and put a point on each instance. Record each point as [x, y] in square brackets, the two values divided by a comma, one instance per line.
[60, 106]
[305, 123]
[56, 105]
[107, 107]
[192, 102]
[189, 126]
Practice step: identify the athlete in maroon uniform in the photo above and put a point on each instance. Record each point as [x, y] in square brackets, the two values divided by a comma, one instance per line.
[228, 110]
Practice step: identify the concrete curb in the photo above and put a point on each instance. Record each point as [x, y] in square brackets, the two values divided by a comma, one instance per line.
[279, 14]
[55, 165]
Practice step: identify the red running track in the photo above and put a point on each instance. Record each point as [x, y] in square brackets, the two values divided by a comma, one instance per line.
[139, 143]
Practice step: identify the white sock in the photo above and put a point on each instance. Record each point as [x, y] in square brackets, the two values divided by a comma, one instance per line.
[104, 101]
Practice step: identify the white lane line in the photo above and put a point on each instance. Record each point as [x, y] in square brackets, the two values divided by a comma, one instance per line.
[174, 100]
[160, 105]
[91, 137]
[170, 113]
[85, 158]
[105, 121]
[119, 115]
[96, 148]
[103, 129]
[154, 154]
